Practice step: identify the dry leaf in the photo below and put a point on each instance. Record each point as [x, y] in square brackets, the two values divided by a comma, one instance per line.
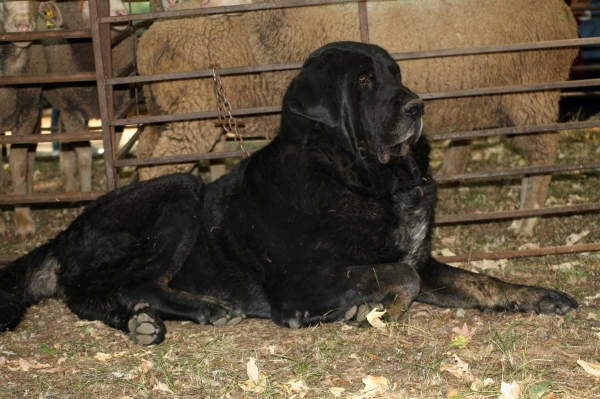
[592, 297]
[374, 318]
[146, 366]
[529, 245]
[488, 264]
[23, 364]
[257, 381]
[479, 385]
[374, 387]
[2, 360]
[449, 240]
[252, 369]
[296, 387]
[102, 356]
[447, 252]
[335, 391]
[465, 331]
[590, 368]
[563, 266]
[51, 371]
[61, 360]
[459, 368]
[510, 391]
[162, 387]
[574, 238]
[35, 365]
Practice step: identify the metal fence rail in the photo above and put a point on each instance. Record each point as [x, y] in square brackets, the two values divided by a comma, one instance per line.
[106, 80]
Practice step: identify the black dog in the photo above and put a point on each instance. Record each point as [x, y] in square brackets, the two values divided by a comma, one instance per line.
[336, 212]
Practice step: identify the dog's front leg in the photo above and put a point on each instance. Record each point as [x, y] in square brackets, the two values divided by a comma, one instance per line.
[451, 287]
[301, 298]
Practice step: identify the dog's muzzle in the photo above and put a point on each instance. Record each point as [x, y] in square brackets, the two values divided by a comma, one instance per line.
[411, 110]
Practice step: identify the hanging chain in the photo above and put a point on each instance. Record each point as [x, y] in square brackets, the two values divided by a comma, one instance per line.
[226, 120]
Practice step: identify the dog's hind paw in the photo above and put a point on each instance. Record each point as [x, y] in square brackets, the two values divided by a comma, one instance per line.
[145, 327]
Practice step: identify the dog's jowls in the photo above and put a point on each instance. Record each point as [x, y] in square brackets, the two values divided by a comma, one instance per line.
[335, 213]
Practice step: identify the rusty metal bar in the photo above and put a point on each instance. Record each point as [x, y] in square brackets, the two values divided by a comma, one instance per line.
[123, 113]
[531, 170]
[510, 89]
[193, 115]
[481, 217]
[127, 70]
[364, 22]
[220, 10]
[123, 151]
[205, 73]
[45, 198]
[499, 48]
[47, 138]
[101, 44]
[517, 130]
[424, 96]
[522, 253]
[179, 158]
[45, 34]
[397, 56]
[47, 78]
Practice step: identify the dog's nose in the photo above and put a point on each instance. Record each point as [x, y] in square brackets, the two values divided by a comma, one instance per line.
[414, 107]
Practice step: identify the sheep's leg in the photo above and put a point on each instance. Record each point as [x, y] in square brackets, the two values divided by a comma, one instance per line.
[18, 170]
[84, 163]
[456, 158]
[540, 150]
[217, 166]
[68, 166]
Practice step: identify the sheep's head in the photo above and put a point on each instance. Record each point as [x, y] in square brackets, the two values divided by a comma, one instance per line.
[20, 16]
[117, 8]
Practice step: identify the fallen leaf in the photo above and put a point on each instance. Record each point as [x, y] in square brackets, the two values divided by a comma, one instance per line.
[61, 360]
[252, 369]
[529, 245]
[146, 366]
[479, 385]
[592, 297]
[162, 387]
[488, 264]
[296, 387]
[590, 368]
[457, 368]
[465, 331]
[510, 391]
[374, 386]
[374, 318]
[102, 356]
[23, 364]
[540, 389]
[335, 391]
[447, 252]
[2, 360]
[564, 266]
[575, 238]
[460, 342]
[51, 371]
[449, 240]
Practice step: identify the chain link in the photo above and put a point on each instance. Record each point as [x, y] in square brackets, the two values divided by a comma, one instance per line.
[226, 120]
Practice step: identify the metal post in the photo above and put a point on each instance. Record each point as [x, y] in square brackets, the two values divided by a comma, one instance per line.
[102, 60]
[364, 22]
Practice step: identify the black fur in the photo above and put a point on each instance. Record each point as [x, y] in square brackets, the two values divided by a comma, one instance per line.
[336, 211]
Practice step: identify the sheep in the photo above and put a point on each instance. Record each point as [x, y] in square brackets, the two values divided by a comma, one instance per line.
[289, 35]
[78, 103]
[176, 45]
[20, 105]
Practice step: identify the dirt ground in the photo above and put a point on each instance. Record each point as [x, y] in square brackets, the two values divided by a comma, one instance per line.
[428, 353]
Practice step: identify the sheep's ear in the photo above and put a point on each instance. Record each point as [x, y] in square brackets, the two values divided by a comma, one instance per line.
[313, 94]
[50, 12]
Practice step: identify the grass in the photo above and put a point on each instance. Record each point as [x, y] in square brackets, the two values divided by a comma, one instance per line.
[539, 352]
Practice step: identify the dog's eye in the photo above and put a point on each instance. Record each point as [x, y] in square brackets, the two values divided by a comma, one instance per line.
[362, 79]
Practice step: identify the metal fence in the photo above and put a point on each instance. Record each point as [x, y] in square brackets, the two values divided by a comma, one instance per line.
[106, 79]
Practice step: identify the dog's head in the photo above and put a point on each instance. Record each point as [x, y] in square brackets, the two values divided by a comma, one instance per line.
[354, 91]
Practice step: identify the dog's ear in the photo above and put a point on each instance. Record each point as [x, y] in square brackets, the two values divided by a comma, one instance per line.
[313, 93]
